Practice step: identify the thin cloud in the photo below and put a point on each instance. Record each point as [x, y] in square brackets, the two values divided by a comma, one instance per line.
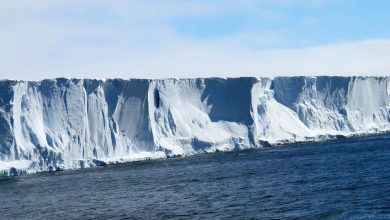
[137, 39]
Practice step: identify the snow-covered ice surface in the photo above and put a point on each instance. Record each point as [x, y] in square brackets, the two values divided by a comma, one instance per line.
[72, 123]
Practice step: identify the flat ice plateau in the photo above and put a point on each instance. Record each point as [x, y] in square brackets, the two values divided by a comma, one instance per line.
[62, 123]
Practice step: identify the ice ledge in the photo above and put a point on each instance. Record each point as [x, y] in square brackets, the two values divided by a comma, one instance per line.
[70, 123]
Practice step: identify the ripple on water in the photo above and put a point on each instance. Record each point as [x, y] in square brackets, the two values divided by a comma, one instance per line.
[349, 178]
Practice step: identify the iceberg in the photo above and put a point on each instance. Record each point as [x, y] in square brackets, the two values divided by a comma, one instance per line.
[58, 124]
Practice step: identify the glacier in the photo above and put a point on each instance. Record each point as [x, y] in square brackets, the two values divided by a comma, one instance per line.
[58, 124]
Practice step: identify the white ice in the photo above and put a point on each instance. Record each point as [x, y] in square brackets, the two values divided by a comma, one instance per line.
[71, 123]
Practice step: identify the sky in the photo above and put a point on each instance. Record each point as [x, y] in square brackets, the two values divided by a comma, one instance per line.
[188, 38]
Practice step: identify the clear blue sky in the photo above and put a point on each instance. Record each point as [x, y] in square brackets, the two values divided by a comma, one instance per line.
[297, 23]
[177, 38]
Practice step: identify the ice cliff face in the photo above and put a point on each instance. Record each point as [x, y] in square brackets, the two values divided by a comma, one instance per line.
[71, 123]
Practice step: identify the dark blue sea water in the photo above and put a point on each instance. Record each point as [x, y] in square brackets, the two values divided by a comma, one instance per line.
[343, 179]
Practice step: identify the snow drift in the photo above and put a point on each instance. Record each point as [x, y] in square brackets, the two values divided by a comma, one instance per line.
[71, 123]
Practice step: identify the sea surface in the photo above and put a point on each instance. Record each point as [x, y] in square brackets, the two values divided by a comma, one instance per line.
[342, 179]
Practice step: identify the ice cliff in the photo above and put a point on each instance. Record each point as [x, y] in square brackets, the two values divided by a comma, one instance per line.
[70, 123]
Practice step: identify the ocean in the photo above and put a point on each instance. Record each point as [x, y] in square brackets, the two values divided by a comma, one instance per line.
[340, 179]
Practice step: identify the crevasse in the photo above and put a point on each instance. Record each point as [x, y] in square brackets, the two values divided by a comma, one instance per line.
[71, 123]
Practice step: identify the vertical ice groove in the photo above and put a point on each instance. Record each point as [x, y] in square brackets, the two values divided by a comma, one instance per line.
[70, 123]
